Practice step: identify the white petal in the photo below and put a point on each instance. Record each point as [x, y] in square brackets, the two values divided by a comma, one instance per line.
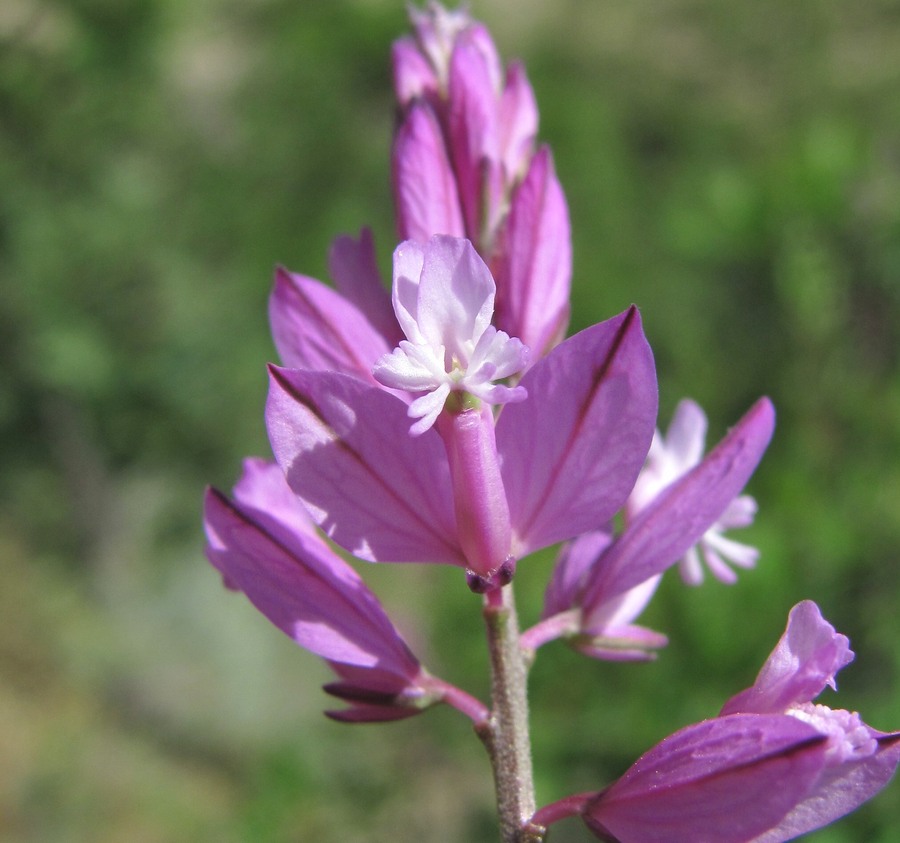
[408, 261]
[427, 408]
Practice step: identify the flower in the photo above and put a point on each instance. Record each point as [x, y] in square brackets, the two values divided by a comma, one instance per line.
[770, 767]
[464, 164]
[671, 457]
[444, 299]
[264, 544]
[859, 760]
[468, 490]
[600, 583]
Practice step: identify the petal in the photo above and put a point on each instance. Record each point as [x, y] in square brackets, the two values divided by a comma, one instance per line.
[472, 104]
[805, 660]
[264, 546]
[719, 781]
[686, 434]
[842, 789]
[570, 452]
[409, 257]
[535, 269]
[575, 559]
[456, 295]
[413, 74]
[315, 327]
[424, 183]
[353, 266]
[345, 450]
[518, 121]
[663, 531]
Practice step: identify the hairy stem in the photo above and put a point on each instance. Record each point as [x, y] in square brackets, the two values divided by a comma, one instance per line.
[505, 733]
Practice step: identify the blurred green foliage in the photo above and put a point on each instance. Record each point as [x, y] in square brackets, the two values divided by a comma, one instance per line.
[732, 168]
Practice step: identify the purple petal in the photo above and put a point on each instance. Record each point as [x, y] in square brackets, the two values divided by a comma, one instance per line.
[353, 267]
[264, 545]
[805, 660]
[841, 789]
[534, 275]
[472, 96]
[570, 453]
[346, 451]
[719, 781]
[315, 327]
[424, 184]
[575, 558]
[663, 531]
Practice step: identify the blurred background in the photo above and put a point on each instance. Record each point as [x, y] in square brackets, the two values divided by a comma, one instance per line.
[733, 168]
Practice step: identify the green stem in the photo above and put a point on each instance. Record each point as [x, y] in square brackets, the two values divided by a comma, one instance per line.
[505, 733]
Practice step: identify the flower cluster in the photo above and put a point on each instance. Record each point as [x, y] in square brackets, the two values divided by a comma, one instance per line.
[450, 422]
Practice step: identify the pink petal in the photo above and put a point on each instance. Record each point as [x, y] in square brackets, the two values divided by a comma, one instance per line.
[346, 451]
[424, 184]
[534, 272]
[413, 75]
[518, 122]
[315, 327]
[719, 781]
[663, 531]
[805, 660]
[264, 546]
[353, 266]
[570, 453]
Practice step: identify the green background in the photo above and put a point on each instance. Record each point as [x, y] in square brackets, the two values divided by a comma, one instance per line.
[733, 168]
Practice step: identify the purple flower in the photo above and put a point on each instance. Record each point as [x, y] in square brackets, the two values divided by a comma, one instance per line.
[464, 164]
[601, 583]
[772, 766]
[468, 490]
[859, 760]
[264, 544]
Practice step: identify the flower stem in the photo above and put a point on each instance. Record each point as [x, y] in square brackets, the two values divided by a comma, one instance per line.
[505, 733]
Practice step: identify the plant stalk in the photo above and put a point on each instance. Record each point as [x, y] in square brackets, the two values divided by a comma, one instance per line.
[505, 733]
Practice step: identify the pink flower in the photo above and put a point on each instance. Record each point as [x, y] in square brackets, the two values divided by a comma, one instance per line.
[772, 766]
[464, 164]
[552, 466]
[601, 584]
[264, 544]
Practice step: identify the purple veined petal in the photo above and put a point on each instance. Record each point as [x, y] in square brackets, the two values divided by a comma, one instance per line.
[535, 269]
[264, 546]
[353, 266]
[575, 559]
[805, 661]
[840, 790]
[345, 449]
[663, 531]
[570, 453]
[414, 77]
[315, 327]
[720, 781]
[518, 122]
[425, 189]
[472, 125]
